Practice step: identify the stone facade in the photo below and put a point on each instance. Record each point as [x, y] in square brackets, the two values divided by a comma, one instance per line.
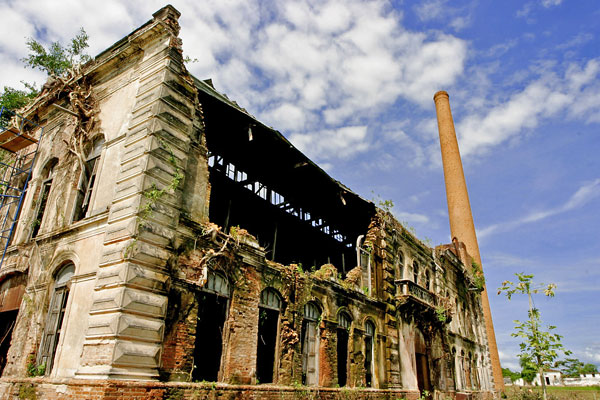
[171, 246]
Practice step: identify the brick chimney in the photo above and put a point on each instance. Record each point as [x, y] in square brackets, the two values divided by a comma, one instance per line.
[459, 212]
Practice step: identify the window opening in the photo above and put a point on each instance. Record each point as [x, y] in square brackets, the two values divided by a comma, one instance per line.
[56, 314]
[11, 293]
[422, 363]
[427, 283]
[416, 273]
[268, 328]
[310, 351]
[369, 353]
[88, 179]
[468, 371]
[400, 266]
[280, 223]
[43, 198]
[212, 300]
[455, 371]
[343, 329]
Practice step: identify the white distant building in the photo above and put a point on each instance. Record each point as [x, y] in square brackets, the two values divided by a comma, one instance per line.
[551, 377]
[583, 380]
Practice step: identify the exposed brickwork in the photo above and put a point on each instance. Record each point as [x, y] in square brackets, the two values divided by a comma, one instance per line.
[178, 347]
[242, 329]
[137, 296]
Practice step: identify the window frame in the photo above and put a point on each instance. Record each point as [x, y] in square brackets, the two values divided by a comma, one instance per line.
[45, 191]
[88, 181]
[55, 318]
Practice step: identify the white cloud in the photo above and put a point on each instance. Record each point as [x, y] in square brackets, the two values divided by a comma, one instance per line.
[442, 10]
[430, 10]
[576, 93]
[551, 3]
[592, 353]
[412, 218]
[509, 360]
[333, 143]
[304, 66]
[581, 197]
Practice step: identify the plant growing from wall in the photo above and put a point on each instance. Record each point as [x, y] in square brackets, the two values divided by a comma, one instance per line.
[540, 347]
[478, 278]
[35, 370]
[440, 313]
[154, 193]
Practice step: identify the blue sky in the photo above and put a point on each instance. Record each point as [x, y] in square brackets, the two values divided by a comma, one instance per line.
[351, 84]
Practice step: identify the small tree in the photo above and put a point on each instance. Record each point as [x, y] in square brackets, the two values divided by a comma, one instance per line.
[540, 347]
[55, 61]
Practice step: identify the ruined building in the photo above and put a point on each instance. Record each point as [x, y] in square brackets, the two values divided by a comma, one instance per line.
[160, 242]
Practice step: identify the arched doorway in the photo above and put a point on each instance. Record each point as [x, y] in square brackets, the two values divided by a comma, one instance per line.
[310, 344]
[268, 328]
[343, 330]
[212, 312]
[422, 363]
[369, 353]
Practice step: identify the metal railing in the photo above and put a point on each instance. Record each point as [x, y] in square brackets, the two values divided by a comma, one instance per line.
[409, 288]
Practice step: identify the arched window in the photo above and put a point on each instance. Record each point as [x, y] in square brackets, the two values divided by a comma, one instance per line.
[47, 176]
[213, 301]
[415, 272]
[467, 368]
[369, 353]
[269, 298]
[268, 329]
[88, 179]
[455, 369]
[56, 314]
[400, 266]
[475, 372]
[344, 322]
[217, 283]
[310, 344]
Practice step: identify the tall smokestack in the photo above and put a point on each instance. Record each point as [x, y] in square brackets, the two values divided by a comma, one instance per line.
[459, 212]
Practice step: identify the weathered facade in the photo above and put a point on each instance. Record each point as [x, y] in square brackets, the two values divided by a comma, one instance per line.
[171, 246]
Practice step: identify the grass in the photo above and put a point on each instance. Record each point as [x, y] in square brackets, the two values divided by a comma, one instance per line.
[554, 392]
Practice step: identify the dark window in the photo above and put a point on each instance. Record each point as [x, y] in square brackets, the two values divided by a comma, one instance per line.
[42, 202]
[88, 179]
[56, 314]
[268, 328]
[369, 353]
[212, 312]
[344, 322]
[415, 272]
[310, 351]
[427, 283]
[11, 294]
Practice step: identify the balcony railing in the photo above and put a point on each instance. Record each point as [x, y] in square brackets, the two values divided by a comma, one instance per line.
[409, 288]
